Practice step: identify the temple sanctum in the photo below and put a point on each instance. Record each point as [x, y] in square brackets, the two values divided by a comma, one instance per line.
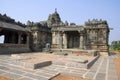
[92, 35]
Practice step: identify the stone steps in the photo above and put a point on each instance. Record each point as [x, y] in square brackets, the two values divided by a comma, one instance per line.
[76, 65]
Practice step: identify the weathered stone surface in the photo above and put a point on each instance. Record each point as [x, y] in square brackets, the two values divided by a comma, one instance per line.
[100, 76]
[12, 71]
[12, 76]
[79, 60]
[35, 76]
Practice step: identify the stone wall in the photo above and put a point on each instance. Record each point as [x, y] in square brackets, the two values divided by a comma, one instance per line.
[14, 48]
[40, 39]
[97, 35]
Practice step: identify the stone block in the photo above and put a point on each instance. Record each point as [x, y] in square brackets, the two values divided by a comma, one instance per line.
[89, 64]
[37, 65]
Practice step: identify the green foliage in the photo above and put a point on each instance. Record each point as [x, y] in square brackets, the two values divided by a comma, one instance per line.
[115, 45]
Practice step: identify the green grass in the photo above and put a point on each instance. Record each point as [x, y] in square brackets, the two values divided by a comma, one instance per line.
[111, 50]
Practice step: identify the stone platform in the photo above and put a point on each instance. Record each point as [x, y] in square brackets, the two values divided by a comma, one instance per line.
[38, 60]
[76, 51]
[27, 61]
[103, 69]
[76, 64]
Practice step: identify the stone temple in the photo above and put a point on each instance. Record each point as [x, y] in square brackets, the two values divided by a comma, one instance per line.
[55, 34]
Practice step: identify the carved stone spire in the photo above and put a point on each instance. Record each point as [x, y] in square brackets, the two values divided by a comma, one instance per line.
[54, 19]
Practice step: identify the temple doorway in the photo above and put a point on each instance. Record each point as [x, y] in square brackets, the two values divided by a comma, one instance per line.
[73, 40]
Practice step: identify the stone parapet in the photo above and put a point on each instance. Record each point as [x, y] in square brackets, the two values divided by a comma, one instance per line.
[9, 46]
[13, 48]
[77, 51]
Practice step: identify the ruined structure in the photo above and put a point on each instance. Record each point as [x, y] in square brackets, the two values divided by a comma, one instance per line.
[93, 35]
[16, 38]
[40, 35]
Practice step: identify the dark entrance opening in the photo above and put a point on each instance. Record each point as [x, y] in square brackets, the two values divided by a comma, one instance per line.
[73, 39]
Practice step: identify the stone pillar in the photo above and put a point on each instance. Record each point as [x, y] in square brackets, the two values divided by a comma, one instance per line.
[19, 38]
[81, 46]
[65, 40]
[60, 40]
[6, 38]
[28, 39]
[53, 38]
[13, 38]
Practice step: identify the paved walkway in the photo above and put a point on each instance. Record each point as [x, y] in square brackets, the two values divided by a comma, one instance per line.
[103, 69]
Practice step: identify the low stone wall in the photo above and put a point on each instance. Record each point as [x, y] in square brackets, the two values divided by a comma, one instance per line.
[18, 59]
[13, 48]
[76, 51]
[89, 64]
[31, 65]
[77, 65]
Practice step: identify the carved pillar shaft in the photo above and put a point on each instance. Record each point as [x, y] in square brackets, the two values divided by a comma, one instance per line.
[53, 38]
[28, 39]
[65, 40]
[6, 38]
[81, 46]
[13, 38]
[60, 40]
[19, 38]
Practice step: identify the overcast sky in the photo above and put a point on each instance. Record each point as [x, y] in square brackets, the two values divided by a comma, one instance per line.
[77, 11]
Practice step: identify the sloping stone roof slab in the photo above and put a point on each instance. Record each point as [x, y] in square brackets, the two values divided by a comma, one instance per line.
[10, 26]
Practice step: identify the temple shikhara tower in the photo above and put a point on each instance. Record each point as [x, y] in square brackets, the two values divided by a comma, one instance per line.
[59, 35]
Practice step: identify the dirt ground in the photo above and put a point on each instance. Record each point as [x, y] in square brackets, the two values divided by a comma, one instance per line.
[4, 78]
[117, 63]
[66, 77]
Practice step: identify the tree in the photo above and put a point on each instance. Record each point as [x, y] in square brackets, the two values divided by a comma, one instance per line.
[115, 45]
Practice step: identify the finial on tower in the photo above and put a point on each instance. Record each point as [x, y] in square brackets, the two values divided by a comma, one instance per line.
[55, 10]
